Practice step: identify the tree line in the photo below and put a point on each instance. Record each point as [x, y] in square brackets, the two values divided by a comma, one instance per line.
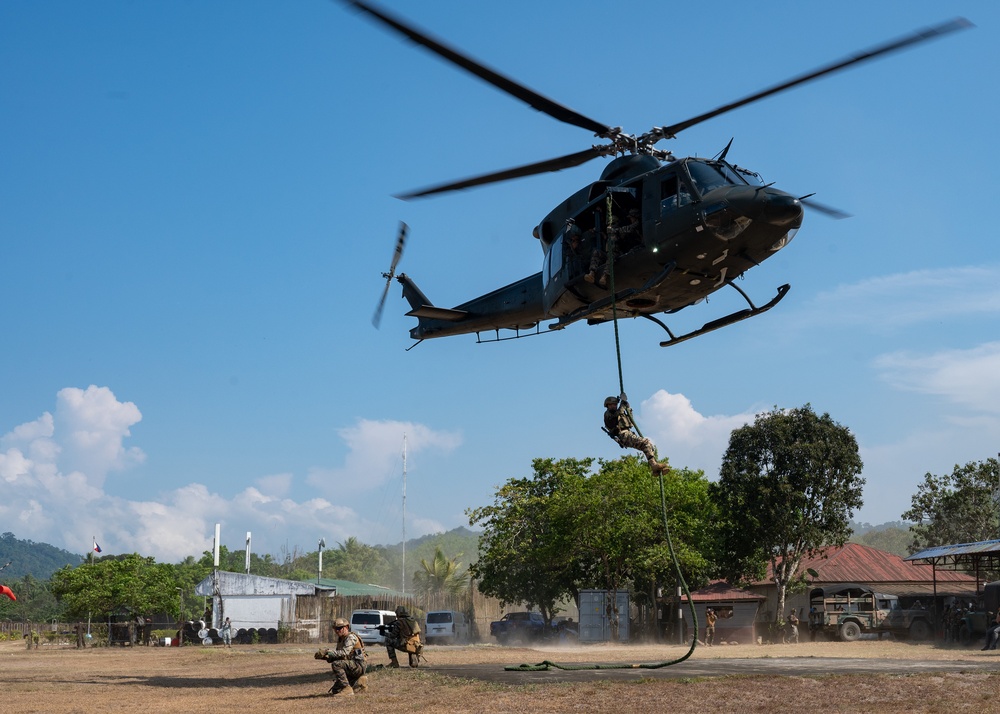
[103, 584]
[789, 484]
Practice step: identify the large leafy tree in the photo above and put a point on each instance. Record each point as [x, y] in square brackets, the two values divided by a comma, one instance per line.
[788, 486]
[618, 538]
[546, 537]
[523, 550]
[960, 507]
[140, 584]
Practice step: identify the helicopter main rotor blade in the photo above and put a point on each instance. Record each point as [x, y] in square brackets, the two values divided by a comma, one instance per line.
[397, 255]
[540, 167]
[506, 84]
[920, 36]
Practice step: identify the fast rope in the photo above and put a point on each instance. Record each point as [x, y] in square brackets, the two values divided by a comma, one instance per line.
[547, 664]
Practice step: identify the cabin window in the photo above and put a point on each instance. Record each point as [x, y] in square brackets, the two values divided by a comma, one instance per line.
[673, 194]
[707, 177]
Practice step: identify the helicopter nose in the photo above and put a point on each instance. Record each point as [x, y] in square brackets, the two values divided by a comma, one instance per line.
[782, 210]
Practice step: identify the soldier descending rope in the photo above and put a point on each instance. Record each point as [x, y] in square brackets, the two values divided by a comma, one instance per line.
[618, 424]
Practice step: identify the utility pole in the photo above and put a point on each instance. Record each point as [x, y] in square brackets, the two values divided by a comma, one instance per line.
[403, 588]
[319, 569]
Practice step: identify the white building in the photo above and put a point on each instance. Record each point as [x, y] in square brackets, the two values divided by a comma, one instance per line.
[253, 601]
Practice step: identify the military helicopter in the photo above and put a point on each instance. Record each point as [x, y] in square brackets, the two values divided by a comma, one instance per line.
[654, 234]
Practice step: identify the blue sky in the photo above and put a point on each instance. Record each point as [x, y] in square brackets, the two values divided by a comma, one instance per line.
[197, 206]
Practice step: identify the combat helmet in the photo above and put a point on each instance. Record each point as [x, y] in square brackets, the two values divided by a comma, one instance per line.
[401, 611]
[611, 402]
[340, 622]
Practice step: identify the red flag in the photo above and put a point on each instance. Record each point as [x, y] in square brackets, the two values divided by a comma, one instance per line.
[4, 590]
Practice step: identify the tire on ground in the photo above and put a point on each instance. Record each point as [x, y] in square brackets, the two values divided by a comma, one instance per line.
[850, 631]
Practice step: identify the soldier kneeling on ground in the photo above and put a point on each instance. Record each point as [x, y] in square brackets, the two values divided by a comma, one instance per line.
[347, 661]
[403, 634]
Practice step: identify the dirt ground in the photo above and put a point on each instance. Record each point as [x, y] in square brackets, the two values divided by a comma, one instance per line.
[286, 678]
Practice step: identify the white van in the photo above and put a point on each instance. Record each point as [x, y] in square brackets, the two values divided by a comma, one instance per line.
[446, 627]
[366, 622]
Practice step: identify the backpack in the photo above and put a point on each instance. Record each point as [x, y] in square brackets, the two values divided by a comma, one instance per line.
[359, 656]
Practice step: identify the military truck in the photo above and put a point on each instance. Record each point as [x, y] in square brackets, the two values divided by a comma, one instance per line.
[849, 610]
[977, 617]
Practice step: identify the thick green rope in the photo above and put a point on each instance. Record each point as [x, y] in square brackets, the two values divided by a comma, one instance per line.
[545, 665]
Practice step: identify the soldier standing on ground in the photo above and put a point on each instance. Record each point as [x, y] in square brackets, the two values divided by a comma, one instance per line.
[710, 618]
[793, 627]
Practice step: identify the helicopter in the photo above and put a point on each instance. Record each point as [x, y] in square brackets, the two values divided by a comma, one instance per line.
[654, 234]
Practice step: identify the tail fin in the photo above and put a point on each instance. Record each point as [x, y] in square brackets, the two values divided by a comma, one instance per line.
[421, 306]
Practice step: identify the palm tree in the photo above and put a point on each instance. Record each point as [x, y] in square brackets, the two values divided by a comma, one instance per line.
[440, 576]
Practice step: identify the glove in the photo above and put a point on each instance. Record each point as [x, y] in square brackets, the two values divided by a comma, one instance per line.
[320, 654]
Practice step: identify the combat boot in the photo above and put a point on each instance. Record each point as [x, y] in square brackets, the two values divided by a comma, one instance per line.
[589, 277]
[361, 684]
[394, 664]
[345, 692]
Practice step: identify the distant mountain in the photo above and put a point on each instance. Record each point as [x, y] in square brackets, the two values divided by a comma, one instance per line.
[39, 560]
[861, 528]
[894, 537]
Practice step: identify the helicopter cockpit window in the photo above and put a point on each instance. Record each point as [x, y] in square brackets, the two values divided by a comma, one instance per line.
[711, 176]
[673, 194]
[732, 173]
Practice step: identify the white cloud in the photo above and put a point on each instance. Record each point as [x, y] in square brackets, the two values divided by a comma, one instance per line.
[684, 435]
[90, 425]
[375, 451]
[968, 378]
[53, 471]
[894, 301]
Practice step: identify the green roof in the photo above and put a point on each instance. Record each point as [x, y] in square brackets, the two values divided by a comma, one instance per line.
[347, 588]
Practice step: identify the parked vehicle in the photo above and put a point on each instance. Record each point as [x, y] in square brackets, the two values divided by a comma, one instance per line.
[976, 618]
[446, 627]
[848, 611]
[367, 622]
[519, 627]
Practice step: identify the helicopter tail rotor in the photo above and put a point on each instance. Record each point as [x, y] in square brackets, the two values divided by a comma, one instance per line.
[396, 256]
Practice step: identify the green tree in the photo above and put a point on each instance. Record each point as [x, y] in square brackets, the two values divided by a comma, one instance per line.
[355, 561]
[35, 601]
[788, 486]
[616, 528]
[960, 507]
[140, 584]
[440, 575]
[523, 550]
[546, 537]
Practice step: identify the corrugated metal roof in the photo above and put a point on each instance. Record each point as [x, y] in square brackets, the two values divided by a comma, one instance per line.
[983, 547]
[348, 588]
[721, 591]
[856, 563]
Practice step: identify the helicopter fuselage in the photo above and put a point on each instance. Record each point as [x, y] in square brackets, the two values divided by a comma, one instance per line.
[664, 235]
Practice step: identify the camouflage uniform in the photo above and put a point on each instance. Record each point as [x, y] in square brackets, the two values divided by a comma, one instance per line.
[403, 634]
[710, 618]
[618, 424]
[347, 661]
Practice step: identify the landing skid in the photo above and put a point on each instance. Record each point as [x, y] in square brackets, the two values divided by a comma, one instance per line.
[737, 316]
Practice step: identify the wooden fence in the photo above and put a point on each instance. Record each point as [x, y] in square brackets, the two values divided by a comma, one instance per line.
[314, 614]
